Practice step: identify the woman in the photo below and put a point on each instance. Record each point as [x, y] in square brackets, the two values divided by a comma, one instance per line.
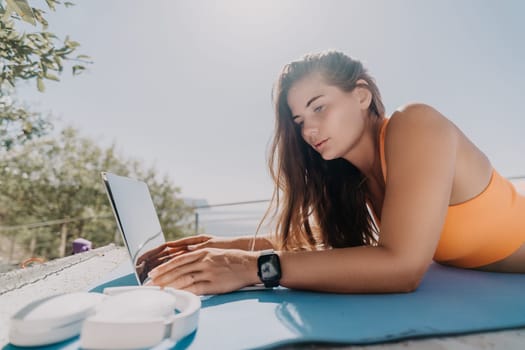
[366, 203]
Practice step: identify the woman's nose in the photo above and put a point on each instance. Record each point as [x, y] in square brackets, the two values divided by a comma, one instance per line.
[310, 128]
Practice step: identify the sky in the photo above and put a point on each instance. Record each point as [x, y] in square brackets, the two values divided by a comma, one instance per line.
[185, 86]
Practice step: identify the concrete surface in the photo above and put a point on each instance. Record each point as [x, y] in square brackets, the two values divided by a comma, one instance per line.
[69, 274]
[79, 272]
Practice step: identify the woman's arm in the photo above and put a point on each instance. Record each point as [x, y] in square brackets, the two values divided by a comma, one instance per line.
[239, 242]
[343, 270]
[363, 269]
[421, 154]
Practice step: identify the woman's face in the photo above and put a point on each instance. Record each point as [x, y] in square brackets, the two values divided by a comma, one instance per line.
[332, 121]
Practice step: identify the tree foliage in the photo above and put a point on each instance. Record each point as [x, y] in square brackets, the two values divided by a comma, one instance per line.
[49, 179]
[36, 56]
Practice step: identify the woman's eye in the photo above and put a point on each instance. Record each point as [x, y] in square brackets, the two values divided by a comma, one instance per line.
[318, 108]
[297, 121]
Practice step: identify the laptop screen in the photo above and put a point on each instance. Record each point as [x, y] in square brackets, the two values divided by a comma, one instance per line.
[136, 217]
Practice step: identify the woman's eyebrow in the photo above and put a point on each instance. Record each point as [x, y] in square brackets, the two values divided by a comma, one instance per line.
[312, 100]
[309, 103]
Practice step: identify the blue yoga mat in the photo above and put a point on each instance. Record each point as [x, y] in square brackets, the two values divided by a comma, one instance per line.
[448, 301]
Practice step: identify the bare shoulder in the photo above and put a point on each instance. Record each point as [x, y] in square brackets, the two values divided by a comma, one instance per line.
[420, 118]
[420, 126]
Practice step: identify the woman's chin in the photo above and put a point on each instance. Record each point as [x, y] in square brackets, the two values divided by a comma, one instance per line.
[328, 156]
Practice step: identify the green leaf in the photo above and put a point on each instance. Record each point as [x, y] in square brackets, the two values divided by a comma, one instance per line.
[72, 44]
[22, 8]
[52, 77]
[51, 4]
[58, 62]
[68, 4]
[27, 128]
[7, 13]
[40, 84]
[37, 14]
[49, 35]
[78, 69]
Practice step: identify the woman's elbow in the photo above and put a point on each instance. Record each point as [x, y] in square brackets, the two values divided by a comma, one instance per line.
[411, 278]
[411, 285]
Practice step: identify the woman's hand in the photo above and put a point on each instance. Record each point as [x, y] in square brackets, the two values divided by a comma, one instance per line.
[159, 255]
[208, 241]
[205, 241]
[208, 271]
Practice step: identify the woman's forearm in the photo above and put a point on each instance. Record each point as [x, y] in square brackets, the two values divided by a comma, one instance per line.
[348, 270]
[261, 243]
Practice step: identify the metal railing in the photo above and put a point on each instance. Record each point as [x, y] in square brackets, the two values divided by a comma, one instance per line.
[231, 204]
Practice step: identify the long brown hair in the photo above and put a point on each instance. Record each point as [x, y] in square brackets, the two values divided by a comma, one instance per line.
[320, 203]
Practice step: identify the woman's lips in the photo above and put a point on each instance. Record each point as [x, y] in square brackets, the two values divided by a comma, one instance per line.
[318, 145]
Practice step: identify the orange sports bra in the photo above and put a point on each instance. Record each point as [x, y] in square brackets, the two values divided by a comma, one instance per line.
[482, 230]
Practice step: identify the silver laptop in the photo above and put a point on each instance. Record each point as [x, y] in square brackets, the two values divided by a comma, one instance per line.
[137, 220]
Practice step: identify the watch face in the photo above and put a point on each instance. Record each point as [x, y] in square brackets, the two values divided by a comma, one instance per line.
[270, 268]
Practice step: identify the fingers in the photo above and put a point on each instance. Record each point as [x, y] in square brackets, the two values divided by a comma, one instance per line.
[196, 246]
[195, 286]
[204, 271]
[177, 276]
[177, 282]
[160, 254]
[183, 278]
[197, 283]
[169, 248]
[167, 254]
[154, 251]
[176, 263]
[188, 240]
[152, 261]
[207, 287]
[199, 288]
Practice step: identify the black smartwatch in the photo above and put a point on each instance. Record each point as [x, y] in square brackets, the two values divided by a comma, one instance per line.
[269, 268]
